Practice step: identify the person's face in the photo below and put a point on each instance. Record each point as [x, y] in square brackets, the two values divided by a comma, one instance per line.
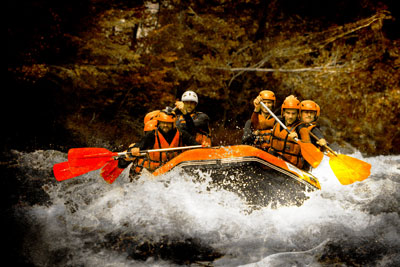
[165, 126]
[290, 115]
[269, 104]
[308, 116]
[190, 106]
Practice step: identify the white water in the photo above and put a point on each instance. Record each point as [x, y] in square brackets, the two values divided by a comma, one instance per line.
[358, 223]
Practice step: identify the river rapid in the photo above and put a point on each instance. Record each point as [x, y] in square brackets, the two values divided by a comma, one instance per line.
[174, 220]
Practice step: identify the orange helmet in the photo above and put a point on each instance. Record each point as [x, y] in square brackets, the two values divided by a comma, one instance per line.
[267, 94]
[164, 117]
[310, 105]
[151, 116]
[150, 125]
[290, 102]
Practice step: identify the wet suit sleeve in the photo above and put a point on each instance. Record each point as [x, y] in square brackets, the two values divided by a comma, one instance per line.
[147, 142]
[188, 139]
[201, 123]
[316, 131]
[189, 125]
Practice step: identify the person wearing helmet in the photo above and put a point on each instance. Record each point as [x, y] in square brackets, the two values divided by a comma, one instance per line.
[165, 135]
[258, 131]
[150, 121]
[283, 144]
[309, 114]
[192, 121]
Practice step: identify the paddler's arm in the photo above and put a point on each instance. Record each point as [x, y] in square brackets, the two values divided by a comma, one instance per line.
[201, 122]
[256, 112]
[188, 139]
[317, 132]
[254, 120]
[190, 126]
[147, 142]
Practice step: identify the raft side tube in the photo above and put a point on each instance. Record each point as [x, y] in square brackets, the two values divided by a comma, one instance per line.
[236, 154]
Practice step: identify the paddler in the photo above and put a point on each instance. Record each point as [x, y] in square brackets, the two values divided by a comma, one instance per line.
[309, 114]
[189, 119]
[283, 144]
[166, 135]
[261, 121]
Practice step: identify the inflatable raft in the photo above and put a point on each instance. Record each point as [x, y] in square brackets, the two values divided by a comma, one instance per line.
[254, 174]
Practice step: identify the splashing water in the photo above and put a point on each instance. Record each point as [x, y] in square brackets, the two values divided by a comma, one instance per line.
[174, 220]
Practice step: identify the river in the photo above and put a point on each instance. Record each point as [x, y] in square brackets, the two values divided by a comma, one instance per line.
[175, 221]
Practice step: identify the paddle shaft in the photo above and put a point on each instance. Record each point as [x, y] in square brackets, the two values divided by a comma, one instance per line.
[327, 147]
[143, 152]
[276, 118]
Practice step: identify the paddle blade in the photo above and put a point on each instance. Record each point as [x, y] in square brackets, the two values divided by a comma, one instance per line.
[90, 158]
[62, 171]
[311, 153]
[110, 172]
[348, 169]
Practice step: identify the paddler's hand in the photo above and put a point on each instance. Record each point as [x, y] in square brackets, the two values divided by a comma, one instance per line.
[181, 106]
[322, 142]
[257, 105]
[293, 135]
[205, 144]
[132, 153]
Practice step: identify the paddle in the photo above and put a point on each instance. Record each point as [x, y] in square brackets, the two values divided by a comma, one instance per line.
[110, 172]
[63, 172]
[84, 160]
[347, 169]
[309, 152]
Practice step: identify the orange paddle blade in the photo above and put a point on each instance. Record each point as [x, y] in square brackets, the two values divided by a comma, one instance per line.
[348, 169]
[110, 172]
[311, 153]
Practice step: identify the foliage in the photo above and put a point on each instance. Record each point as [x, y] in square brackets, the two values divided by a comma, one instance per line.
[134, 59]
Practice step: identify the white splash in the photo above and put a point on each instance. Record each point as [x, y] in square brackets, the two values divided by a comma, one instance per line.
[85, 210]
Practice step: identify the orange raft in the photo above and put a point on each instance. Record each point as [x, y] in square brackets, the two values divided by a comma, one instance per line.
[254, 174]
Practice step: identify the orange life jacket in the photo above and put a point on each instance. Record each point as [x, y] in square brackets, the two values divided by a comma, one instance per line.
[157, 159]
[286, 147]
[263, 136]
[310, 127]
[201, 137]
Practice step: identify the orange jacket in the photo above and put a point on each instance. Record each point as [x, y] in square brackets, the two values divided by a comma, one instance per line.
[263, 130]
[156, 159]
[286, 147]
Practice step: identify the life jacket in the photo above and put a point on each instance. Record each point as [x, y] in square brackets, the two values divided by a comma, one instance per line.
[201, 136]
[310, 127]
[286, 148]
[263, 137]
[157, 159]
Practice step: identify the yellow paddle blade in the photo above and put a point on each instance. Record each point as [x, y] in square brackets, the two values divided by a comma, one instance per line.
[348, 169]
[311, 153]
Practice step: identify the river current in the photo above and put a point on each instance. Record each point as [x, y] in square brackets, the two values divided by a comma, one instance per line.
[174, 220]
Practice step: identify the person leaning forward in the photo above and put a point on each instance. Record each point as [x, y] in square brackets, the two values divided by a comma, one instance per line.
[194, 122]
[283, 144]
[166, 135]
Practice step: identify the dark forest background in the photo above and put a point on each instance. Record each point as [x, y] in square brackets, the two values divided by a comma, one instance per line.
[85, 72]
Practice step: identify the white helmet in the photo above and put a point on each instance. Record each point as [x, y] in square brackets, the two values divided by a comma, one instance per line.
[190, 96]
